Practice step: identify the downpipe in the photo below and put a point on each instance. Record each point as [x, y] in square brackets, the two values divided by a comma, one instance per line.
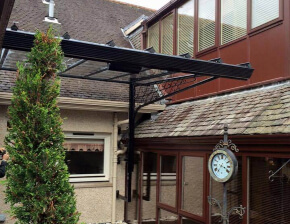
[115, 162]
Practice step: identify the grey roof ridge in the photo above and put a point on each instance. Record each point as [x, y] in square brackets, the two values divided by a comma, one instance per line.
[132, 5]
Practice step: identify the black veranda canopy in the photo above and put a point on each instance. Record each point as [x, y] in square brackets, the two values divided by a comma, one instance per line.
[143, 71]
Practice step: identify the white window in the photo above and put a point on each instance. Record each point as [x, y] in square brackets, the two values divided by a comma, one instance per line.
[87, 156]
[264, 11]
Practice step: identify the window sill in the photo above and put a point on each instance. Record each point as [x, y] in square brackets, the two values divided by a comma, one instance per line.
[206, 51]
[92, 185]
[233, 42]
[266, 26]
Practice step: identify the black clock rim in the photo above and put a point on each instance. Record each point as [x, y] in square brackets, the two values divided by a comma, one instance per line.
[233, 161]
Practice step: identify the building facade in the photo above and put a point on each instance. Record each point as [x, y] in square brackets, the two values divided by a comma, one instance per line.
[175, 145]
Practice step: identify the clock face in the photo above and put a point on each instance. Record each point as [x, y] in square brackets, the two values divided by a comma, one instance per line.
[222, 165]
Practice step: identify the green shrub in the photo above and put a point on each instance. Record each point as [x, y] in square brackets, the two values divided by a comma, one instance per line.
[38, 188]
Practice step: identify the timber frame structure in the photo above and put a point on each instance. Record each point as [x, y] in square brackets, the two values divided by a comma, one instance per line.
[150, 76]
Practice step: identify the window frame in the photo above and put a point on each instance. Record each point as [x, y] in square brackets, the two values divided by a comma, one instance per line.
[174, 42]
[182, 212]
[266, 25]
[79, 178]
[218, 45]
[196, 27]
[177, 26]
[221, 45]
[159, 203]
[246, 185]
[157, 23]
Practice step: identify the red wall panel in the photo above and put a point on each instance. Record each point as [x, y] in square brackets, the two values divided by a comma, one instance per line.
[267, 52]
[236, 53]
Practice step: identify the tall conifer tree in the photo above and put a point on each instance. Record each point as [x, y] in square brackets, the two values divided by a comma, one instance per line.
[38, 188]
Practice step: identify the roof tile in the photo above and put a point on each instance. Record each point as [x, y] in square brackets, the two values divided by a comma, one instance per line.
[258, 111]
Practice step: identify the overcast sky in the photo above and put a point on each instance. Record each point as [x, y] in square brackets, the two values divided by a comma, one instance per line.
[152, 4]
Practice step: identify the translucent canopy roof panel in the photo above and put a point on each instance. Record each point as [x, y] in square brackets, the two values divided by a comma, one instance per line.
[116, 64]
[81, 68]
[9, 58]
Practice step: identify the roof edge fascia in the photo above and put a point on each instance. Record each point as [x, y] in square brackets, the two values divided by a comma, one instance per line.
[163, 10]
[89, 104]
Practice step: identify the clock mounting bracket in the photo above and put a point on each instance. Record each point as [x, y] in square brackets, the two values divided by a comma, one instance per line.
[225, 148]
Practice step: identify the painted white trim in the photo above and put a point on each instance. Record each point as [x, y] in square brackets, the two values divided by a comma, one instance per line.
[92, 105]
[75, 178]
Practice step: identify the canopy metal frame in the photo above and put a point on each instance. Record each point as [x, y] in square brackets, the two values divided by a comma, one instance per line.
[134, 65]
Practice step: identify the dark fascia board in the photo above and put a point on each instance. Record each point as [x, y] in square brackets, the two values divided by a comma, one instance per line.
[6, 7]
[163, 10]
[17, 40]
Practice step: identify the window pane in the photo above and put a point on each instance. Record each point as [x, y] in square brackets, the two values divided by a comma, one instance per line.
[149, 187]
[85, 162]
[264, 11]
[192, 185]
[233, 20]
[168, 180]
[166, 217]
[185, 33]
[84, 156]
[167, 35]
[206, 24]
[153, 37]
[234, 197]
[269, 197]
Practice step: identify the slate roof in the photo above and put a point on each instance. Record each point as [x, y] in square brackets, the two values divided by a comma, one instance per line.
[96, 21]
[77, 88]
[264, 110]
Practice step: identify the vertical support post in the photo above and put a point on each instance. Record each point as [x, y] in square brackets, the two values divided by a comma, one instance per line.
[225, 206]
[225, 217]
[130, 152]
[226, 136]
